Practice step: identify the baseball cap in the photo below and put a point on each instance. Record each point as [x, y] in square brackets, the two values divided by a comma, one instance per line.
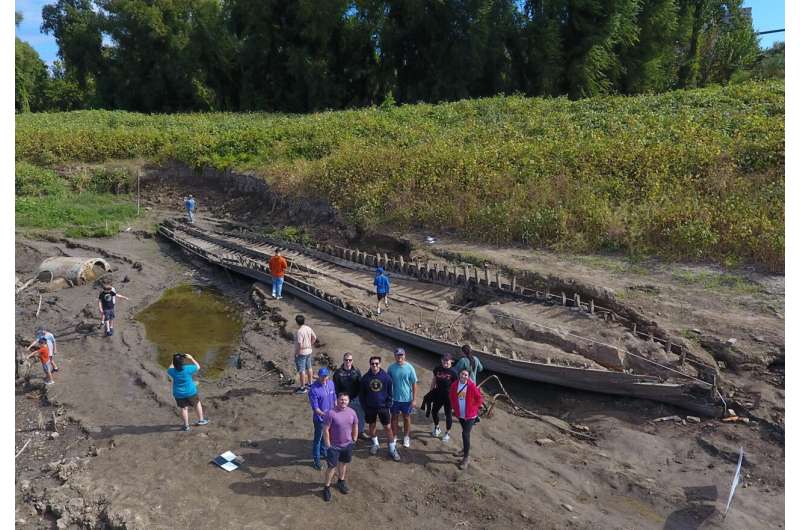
[399, 351]
[323, 372]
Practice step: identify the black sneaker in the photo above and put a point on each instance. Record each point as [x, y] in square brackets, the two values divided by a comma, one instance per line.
[317, 466]
[326, 493]
[342, 486]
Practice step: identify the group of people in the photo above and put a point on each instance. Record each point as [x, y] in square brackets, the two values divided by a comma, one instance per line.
[44, 347]
[277, 269]
[44, 344]
[346, 405]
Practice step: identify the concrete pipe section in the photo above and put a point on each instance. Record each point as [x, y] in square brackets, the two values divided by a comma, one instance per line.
[71, 270]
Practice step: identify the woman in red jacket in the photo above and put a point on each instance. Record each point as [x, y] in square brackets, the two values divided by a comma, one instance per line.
[466, 399]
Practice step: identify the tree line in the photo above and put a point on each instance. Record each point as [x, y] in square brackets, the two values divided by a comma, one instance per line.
[307, 55]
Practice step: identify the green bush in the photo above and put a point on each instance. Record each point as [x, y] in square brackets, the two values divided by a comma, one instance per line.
[30, 180]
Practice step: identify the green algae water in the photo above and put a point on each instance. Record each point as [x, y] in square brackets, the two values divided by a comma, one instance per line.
[193, 319]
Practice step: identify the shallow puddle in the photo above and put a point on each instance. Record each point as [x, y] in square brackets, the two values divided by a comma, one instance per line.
[193, 319]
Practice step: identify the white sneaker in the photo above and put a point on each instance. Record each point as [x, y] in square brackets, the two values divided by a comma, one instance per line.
[379, 310]
[436, 431]
[280, 298]
[407, 441]
[373, 450]
[446, 437]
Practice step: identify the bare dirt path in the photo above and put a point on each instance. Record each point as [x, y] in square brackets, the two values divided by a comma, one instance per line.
[136, 470]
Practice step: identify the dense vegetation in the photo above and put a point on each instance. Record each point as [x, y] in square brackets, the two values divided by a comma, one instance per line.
[692, 174]
[306, 55]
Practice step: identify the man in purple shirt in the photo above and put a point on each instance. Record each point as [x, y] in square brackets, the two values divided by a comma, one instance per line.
[322, 397]
[341, 430]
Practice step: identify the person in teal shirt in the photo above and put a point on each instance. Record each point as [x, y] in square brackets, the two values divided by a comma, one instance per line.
[469, 362]
[184, 389]
[404, 393]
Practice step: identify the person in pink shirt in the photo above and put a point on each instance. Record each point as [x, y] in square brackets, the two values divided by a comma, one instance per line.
[466, 400]
[304, 340]
[339, 435]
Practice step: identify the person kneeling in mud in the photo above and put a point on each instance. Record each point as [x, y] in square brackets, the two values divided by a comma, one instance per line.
[184, 388]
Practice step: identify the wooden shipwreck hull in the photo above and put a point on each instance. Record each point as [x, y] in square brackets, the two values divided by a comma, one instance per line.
[248, 256]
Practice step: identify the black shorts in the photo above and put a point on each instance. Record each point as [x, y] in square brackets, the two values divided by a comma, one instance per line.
[381, 296]
[190, 401]
[108, 314]
[334, 455]
[370, 415]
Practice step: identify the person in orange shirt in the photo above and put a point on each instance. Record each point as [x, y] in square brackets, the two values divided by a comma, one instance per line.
[44, 357]
[277, 268]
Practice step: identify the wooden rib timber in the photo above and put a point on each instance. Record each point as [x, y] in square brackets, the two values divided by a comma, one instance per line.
[249, 256]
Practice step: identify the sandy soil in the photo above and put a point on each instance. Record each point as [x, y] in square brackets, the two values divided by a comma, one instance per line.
[120, 460]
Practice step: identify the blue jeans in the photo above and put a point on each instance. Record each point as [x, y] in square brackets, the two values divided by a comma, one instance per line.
[316, 447]
[355, 404]
[277, 286]
[190, 214]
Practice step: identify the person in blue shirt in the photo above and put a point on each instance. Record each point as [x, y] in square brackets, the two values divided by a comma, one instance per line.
[382, 288]
[404, 394]
[191, 206]
[184, 389]
[322, 398]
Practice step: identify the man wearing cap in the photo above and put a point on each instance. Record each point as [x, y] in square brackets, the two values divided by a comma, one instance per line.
[339, 434]
[404, 394]
[322, 397]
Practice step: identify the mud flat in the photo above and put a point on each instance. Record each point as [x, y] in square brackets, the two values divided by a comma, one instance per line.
[119, 459]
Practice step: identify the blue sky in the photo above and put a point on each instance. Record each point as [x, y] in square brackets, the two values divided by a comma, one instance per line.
[767, 14]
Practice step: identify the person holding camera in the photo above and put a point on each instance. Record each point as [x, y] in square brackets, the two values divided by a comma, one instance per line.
[184, 389]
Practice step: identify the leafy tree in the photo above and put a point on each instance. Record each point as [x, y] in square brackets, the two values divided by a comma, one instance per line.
[63, 92]
[76, 28]
[650, 65]
[731, 44]
[30, 77]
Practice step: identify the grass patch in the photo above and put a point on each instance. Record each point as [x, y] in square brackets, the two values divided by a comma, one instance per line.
[79, 215]
[689, 175]
[714, 280]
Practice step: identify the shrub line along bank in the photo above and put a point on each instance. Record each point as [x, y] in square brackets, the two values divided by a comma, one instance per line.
[690, 174]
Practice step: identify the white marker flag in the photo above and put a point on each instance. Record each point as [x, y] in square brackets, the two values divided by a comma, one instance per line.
[736, 479]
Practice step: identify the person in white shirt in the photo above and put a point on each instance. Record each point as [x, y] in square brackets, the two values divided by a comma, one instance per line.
[303, 343]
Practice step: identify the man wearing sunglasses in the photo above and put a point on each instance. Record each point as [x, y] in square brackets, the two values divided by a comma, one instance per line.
[376, 398]
[347, 379]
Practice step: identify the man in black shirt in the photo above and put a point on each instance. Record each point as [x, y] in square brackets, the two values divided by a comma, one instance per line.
[443, 377]
[107, 302]
[347, 378]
